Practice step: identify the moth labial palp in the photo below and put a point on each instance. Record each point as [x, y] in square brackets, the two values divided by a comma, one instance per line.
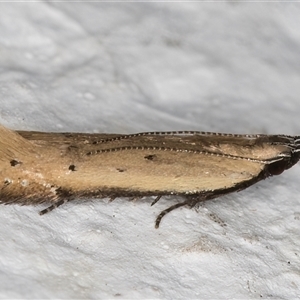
[195, 165]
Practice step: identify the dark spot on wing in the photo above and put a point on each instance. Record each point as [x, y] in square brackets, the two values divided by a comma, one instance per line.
[14, 162]
[150, 157]
[72, 167]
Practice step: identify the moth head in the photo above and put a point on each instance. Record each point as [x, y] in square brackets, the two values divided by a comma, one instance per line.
[295, 156]
[286, 159]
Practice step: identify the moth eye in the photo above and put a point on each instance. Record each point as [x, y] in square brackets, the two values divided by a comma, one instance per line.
[277, 167]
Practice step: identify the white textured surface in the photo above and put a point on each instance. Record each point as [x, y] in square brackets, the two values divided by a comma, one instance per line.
[129, 67]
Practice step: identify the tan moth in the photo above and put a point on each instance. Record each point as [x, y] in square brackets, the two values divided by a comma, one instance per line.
[42, 167]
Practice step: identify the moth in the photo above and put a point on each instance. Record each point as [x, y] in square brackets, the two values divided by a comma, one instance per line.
[42, 167]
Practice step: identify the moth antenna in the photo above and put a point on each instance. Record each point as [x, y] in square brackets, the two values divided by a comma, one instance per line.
[155, 200]
[181, 132]
[53, 206]
[166, 211]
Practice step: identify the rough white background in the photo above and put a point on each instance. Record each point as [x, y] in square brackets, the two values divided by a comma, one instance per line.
[130, 67]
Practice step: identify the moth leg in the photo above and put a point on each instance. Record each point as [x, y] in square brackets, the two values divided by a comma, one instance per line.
[155, 200]
[53, 206]
[164, 212]
[111, 199]
[192, 200]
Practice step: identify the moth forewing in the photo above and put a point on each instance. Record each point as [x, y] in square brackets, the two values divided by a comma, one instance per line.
[165, 173]
[38, 167]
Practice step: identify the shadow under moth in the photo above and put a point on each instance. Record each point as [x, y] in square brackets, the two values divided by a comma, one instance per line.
[43, 167]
